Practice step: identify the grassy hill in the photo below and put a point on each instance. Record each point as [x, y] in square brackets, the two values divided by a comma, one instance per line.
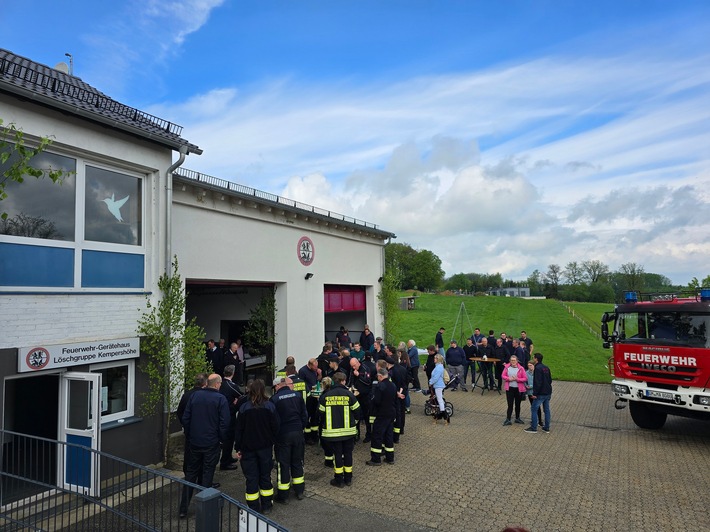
[572, 351]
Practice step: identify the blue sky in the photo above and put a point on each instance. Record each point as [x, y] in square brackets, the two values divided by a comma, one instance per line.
[503, 136]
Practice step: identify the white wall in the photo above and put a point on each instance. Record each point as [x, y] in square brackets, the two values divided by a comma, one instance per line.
[32, 319]
[28, 320]
[219, 240]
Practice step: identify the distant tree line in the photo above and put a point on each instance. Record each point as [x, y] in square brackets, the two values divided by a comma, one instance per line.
[589, 280]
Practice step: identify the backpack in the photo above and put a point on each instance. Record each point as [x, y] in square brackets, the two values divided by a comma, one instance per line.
[447, 377]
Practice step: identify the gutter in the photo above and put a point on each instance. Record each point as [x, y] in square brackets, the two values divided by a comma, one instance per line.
[169, 208]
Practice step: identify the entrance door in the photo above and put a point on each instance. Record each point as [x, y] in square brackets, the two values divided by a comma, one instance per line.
[80, 424]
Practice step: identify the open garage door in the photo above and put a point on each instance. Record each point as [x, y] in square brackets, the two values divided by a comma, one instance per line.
[344, 306]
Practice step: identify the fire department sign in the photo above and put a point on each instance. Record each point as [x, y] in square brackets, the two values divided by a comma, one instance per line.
[306, 251]
[64, 355]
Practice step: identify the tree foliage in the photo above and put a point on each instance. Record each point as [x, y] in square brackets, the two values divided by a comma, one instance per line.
[260, 331]
[595, 271]
[573, 273]
[174, 349]
[412, 269]
[16, 159]
[389, 306]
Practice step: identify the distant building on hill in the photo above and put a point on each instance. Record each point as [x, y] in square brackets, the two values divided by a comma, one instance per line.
[510, 292]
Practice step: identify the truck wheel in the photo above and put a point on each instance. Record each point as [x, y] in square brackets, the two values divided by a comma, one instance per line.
[646, 417]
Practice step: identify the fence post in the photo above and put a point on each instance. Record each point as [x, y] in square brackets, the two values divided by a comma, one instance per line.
[208, 504]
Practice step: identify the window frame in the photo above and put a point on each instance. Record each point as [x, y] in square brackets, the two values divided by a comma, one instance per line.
[79, 243]
[130, 388]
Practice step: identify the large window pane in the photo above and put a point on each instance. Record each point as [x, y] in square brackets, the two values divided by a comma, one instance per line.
[40, 208]
[113, 207]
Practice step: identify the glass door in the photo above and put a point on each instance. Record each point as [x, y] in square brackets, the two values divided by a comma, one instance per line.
[80, 426]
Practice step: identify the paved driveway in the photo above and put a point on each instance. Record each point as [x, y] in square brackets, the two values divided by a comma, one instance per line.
[594, 471]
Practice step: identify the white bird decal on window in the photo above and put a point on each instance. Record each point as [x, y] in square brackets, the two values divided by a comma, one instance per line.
[114, 207]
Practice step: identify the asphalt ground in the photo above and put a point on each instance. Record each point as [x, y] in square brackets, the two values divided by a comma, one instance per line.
[595, 471]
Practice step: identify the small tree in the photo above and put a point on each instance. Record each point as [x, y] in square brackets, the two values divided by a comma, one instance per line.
[260, 331]
[16, 157]
[389, 306]
[174, 348]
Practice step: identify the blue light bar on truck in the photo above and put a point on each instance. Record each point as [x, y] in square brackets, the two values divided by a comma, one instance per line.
[631, 297]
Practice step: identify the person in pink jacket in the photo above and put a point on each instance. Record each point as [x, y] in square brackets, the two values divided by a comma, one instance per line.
[514, 382]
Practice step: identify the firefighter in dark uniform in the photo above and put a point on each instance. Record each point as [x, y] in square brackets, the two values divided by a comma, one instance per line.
[297, 384]
[311, 375]
[340, 412]
[382, 412]
[257, 429]
[361, 382]
[290, 445]
[398, 375]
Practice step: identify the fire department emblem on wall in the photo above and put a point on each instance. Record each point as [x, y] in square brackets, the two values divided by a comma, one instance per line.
[37, 358]
[306, 251]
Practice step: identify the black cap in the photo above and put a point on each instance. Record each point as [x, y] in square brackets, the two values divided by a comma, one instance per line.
[390, 360]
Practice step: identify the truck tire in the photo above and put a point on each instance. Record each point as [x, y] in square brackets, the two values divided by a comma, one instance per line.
[646, 417]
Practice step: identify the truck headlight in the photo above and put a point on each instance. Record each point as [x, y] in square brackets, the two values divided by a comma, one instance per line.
[702, 400]
[620, 388]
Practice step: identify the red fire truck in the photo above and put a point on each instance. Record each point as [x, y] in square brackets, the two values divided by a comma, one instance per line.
[661, 355]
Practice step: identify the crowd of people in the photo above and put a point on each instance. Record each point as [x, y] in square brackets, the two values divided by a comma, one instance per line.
[352, 391]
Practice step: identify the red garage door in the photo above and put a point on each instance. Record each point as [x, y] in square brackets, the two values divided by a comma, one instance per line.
[344, 298]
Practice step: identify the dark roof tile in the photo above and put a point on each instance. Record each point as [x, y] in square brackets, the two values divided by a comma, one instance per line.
[25, 78]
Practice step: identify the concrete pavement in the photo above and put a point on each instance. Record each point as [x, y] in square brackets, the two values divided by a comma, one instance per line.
[595, 471]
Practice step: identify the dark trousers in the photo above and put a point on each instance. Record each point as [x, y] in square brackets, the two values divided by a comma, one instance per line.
[228, 444]
[499, 374]
[415, 378]
[312, 428]
[365, 415]
[201, 463]
[256, 466]
[343, 453]
[239, 372]
[290, 451]
[327, 451]
[513, 396]
[382, 440]
[487, 372]
[472, 365]
[400, 411]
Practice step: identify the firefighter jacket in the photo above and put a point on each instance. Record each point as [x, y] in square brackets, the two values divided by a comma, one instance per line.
[383, 400]
[339, 412]
[299, 385]
[291, 409]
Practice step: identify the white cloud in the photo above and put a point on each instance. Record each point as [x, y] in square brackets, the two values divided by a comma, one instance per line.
[142, 34]
[575, 157]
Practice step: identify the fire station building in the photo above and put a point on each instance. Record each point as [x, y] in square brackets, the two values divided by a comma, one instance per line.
[79, 260]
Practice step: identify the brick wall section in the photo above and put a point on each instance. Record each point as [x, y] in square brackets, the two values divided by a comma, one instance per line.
[31, 319]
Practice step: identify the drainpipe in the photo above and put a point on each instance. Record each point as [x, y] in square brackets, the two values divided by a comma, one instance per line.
[169, 208]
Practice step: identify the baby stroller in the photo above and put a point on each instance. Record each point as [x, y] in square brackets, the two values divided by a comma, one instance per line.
[431, 407]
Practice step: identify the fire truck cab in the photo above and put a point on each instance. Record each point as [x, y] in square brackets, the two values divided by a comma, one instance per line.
[661, 355]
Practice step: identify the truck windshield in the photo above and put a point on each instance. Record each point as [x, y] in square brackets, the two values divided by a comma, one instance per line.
[664, 328]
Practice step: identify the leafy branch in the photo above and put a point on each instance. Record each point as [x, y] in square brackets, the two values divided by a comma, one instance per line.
[16, 158]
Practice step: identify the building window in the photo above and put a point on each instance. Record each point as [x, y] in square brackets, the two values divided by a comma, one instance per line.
[37, 207]
[117, 389]
[85, 234]
[112, 207]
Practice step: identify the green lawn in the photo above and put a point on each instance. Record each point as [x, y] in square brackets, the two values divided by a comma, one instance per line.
[591, 312]
[571, 350]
